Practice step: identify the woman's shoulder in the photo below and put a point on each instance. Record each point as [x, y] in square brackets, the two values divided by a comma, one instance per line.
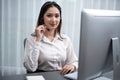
[30, 38]
[65, 37]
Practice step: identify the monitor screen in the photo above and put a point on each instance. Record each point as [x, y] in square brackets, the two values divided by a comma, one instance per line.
[98, 27]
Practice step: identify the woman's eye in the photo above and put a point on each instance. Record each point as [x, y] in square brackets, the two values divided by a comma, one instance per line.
[49, 15]
[57, 16]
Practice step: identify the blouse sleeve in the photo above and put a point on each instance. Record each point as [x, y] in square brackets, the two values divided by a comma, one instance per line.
[31, 55]
[71, 55]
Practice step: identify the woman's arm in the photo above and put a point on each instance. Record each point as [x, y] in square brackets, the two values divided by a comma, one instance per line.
[71, 63]
[31, 55]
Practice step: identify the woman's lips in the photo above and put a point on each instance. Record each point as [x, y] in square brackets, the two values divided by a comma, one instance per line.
[53, 25]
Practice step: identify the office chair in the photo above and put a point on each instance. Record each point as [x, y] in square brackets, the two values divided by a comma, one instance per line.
[25, 42]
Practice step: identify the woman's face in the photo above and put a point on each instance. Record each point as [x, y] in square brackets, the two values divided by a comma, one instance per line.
[52, 18]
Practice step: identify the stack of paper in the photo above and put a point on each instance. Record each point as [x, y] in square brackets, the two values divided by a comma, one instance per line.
[72, 76]
[38, 77]
[102, 78]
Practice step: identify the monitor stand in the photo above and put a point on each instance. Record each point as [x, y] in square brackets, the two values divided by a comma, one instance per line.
[115, 74]
[116, 58]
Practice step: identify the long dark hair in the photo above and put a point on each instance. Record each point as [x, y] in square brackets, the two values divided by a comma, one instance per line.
[44, 8]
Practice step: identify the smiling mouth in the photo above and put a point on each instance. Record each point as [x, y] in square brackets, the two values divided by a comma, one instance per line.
[53, 25]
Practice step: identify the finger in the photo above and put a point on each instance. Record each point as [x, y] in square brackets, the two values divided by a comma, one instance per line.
[71, 70]
[63, 72]
[46, 28]
[39, 31]
[65, 69]
[40, 28]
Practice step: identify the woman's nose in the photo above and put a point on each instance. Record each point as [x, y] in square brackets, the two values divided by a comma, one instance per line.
[53, 19]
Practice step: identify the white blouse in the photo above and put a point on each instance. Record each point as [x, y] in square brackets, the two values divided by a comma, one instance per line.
[47, 56]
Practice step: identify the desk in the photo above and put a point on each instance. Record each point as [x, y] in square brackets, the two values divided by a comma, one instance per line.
[55, 75]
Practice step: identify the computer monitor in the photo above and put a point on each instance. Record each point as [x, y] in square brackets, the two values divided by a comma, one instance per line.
[96, 57]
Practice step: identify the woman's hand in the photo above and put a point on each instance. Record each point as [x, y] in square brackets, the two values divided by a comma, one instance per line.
[67, 69]
[39, 32]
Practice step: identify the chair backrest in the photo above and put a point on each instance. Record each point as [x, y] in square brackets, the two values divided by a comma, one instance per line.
[25, 42]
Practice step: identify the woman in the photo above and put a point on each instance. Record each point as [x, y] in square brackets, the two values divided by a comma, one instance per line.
[47, 49]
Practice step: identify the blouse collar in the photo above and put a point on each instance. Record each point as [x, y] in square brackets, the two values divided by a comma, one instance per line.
[57, 37]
